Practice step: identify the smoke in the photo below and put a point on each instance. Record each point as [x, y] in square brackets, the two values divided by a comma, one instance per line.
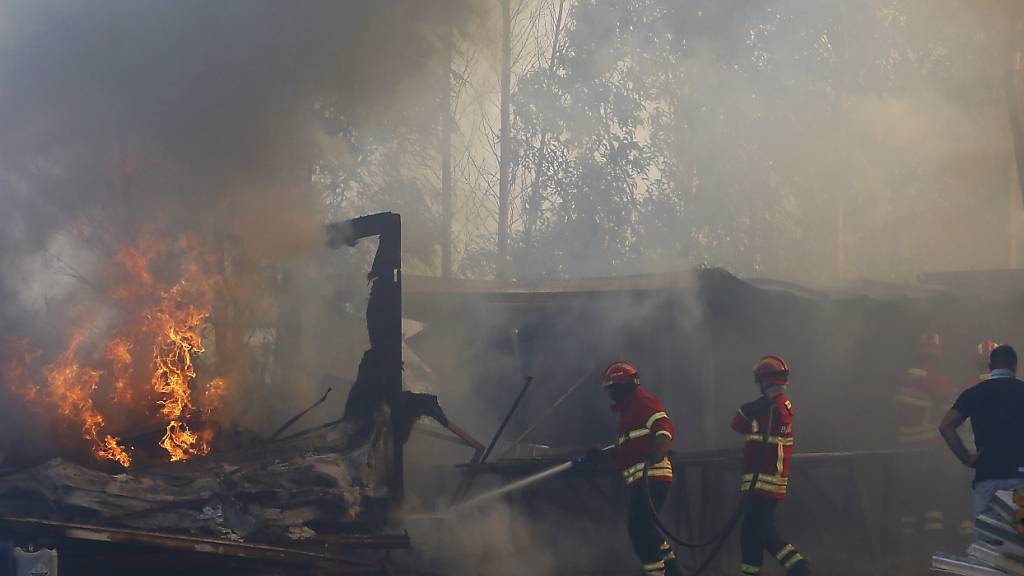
[196, 113]
[125, 122]
[208, 117]
[805, 141]
[814, 141]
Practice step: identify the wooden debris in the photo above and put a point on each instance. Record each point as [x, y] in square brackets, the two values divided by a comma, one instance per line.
[283, 492]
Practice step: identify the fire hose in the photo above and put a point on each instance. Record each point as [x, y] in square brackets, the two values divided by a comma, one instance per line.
[718, 541]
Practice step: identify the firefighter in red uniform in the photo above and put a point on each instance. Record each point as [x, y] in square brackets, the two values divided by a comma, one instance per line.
[919, 398]
[767, 424]
[645, 436]
[985, 348]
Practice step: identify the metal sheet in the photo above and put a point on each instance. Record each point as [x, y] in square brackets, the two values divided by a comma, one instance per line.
[992, 556]
[953, 565]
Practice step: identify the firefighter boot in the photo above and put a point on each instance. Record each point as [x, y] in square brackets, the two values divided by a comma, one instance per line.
[801, 568]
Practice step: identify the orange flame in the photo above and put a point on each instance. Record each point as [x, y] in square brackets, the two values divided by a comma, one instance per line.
[169, 318]
[70, 388]
[175, 371]
[119, 352]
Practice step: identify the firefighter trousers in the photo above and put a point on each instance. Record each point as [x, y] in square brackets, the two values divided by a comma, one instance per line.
[758, 533]
[650, 547]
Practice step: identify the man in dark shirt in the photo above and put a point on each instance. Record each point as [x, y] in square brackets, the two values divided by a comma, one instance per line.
[995, 408]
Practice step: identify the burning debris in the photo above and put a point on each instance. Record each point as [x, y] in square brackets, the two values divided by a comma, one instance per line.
[148, 363]
[143, 366]
[283, 492]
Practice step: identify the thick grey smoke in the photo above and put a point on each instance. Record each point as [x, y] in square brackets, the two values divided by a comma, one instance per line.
[795, 139]
[193, 112]
[123, 121]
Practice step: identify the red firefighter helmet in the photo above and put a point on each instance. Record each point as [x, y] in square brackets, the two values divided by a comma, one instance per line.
[619, 372]
[771, 369]
[930, 344]
[985, 348]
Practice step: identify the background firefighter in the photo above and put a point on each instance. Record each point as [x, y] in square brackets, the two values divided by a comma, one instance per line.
[920, 396]
[645, 436]
[768, 425]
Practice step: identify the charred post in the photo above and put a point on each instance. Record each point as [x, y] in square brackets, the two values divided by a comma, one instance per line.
[379, 380]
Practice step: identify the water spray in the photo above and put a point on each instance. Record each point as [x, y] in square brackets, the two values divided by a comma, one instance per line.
[524, 482]
[515, 486]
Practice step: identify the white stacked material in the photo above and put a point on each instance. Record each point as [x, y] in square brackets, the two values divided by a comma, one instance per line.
[1004, 505]
[1000, 547]
[1005, 538]
[990, 554]
[947, 564]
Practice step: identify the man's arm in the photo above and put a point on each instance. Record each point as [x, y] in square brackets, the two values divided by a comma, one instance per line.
[745, 420]
[664, 431]
[741, 424]
[662, 444]
[950, 422]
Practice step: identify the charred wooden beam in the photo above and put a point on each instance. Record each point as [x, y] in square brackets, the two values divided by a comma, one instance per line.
[24, 527]
[380, 372]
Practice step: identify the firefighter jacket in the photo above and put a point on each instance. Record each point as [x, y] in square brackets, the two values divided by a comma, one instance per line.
[767, 424]
[642, 417]
[920, 398]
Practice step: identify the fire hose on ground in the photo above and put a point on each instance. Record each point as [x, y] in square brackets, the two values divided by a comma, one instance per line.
[718, 541]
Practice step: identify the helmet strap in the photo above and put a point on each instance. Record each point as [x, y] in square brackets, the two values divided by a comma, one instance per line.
[772, 390]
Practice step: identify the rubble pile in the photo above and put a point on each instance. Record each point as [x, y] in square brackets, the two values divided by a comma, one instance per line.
[281, 492]
[999, 549]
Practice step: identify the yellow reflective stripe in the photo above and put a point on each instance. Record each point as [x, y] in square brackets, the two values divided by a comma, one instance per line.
[634, 468]
[789, 405]
[663, 433]
[769, 478]
[634, 434]
[655, 417]
[635, 472]
[750, 569]
[766, 482]
[654, 565]
[781, 454]
[920, 372]
[650, 474]
[782, 441]
[765, 487]
[789, 563]
[785, 550]
[753, 424]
